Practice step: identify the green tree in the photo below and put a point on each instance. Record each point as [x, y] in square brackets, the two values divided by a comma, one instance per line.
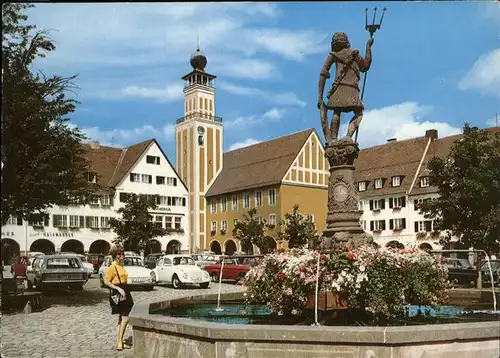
[43, 161]
[250, 231]
[298, 228]
[468, 182]
[136, 228]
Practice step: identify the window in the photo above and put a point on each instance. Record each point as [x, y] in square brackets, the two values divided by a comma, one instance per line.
[94, 200]
[159, 221]
[258, 198]
[378, 183]
[223, 225]
[377, 225]
[362, 186]
[361, 205]
[105, 200]
[123, 197]
[223, 205]
[146, 178]
[246, 201]
[92, 222]
[168, 222]
[377, 205]
[60, 220]
[272, 196]
[178, 221]
[396, 181]
[424, 182]
[213, 206]
[135, 178]
[272, 220]
[363, 224]
[397, 224]
[397, 203]
[171, 181]
[423, 226]
[416, 203]
[74, 221]
[234, 203]
[38, 222]
[160, 180]
[214, 226]
[178, 201]
[91, 177]
[151, 159]
[104, 222]
[14, 220]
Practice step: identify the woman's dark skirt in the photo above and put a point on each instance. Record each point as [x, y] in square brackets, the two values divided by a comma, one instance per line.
[124, 307]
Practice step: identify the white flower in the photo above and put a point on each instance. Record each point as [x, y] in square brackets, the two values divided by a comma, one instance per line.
[362, 268]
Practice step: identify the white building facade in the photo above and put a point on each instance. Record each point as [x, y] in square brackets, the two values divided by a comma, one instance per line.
[86, 228]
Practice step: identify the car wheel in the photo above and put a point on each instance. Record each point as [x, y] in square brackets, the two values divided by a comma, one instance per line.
[204, 285]
[101, 281]
[153, 278]
[215, 277]
[176, 282]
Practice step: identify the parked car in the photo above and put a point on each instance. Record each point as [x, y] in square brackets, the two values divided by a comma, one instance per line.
[57, 272]
[232, 270]
[96, 260]
[138, 275]
[151, 260]
[205, 259]
[461, 271]
[88, 266]
[180, 270]
[485, 272]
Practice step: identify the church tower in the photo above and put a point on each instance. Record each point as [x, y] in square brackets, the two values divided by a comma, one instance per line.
[198, 145]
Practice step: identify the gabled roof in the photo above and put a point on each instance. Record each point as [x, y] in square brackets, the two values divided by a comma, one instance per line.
[112, 164]
[258, 165]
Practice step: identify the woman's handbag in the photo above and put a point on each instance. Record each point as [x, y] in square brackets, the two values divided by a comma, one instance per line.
[115, 299]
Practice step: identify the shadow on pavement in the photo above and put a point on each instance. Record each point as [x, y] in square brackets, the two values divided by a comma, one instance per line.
[71, 298]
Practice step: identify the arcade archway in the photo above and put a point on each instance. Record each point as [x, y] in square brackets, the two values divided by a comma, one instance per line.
[73, 246]
[173, 247]
[43, 245]
[100, 247]
[215, 247]
[395, 245]
[152, 247]
[425, 246]
[247, 248]
[229, 247]
[10, 250]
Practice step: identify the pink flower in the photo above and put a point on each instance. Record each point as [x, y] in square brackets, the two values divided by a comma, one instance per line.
[289, 291]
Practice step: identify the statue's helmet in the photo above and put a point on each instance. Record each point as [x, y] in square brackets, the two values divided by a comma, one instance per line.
[340, 41]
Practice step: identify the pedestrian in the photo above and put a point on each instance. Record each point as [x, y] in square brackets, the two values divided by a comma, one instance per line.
[116, 279]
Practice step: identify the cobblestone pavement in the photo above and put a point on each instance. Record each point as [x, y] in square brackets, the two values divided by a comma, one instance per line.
[78, 324]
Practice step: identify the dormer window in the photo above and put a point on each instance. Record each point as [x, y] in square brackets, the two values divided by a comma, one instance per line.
[151, 159]
[91, 177]
[424, 182]
[396, 181]
[362, 186]
[378, 183]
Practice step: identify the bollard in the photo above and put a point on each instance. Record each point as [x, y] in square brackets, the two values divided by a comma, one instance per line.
[479, 283]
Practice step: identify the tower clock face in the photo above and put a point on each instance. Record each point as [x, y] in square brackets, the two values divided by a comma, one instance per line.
[201, 130]
[340, 193]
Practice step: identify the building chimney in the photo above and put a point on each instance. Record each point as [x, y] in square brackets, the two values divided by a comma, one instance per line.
[432, 134]
[391, 140]
[94, 144]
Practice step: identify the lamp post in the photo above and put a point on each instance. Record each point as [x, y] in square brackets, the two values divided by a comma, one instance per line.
[371, 28]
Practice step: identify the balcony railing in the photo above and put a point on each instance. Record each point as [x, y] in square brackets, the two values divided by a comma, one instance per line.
[199, 115]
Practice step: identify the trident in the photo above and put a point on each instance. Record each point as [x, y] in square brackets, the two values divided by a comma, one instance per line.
[371, 29]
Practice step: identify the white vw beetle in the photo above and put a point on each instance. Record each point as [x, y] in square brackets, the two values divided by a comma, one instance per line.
[180, 270]
[138, 275]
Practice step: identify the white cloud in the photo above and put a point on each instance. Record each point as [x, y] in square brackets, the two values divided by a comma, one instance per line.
[167, 94]
[484, 75]
[244, 143]
[282, 98]
[125, 137]
[401, 121]
[272, 115]
[493, 122]
[254, 69]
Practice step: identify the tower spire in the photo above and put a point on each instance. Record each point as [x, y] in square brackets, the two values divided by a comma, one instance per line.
[198, 41]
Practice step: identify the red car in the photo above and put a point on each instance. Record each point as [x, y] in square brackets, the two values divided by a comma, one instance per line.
[19, 268]
[232, 270]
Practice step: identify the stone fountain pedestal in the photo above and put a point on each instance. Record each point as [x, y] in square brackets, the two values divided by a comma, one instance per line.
[342, 221]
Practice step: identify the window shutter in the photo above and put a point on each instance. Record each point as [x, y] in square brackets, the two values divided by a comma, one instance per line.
[391, 224]
[175, 181]
[371, 205]
[403, 202]
[383, 224]
[371, 225]
[391, 203]
[19, 221]
[131, 177]
[382, 204]
[150, 179]
[54, 223]
[416, 226]
[87, 221]
[158, 160]
[82, 221]
[183, 201]
[403, 222]
[46, 221]
[428, 225]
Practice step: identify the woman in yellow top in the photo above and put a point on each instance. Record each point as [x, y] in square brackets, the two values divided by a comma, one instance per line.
[117, 280]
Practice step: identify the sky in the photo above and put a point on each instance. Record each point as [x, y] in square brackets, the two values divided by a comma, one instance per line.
[436, 65]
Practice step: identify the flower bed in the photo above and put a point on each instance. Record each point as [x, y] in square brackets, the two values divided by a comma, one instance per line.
[380, 280]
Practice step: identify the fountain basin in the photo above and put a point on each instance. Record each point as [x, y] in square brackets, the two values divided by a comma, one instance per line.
[156, 335]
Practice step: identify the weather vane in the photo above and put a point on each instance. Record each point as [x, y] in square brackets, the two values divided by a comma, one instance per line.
[371, 29]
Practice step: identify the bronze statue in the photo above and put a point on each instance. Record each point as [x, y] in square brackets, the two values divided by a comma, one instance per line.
[344, 95]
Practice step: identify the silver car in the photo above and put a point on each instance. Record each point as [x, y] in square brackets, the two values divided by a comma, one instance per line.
[57, 272]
